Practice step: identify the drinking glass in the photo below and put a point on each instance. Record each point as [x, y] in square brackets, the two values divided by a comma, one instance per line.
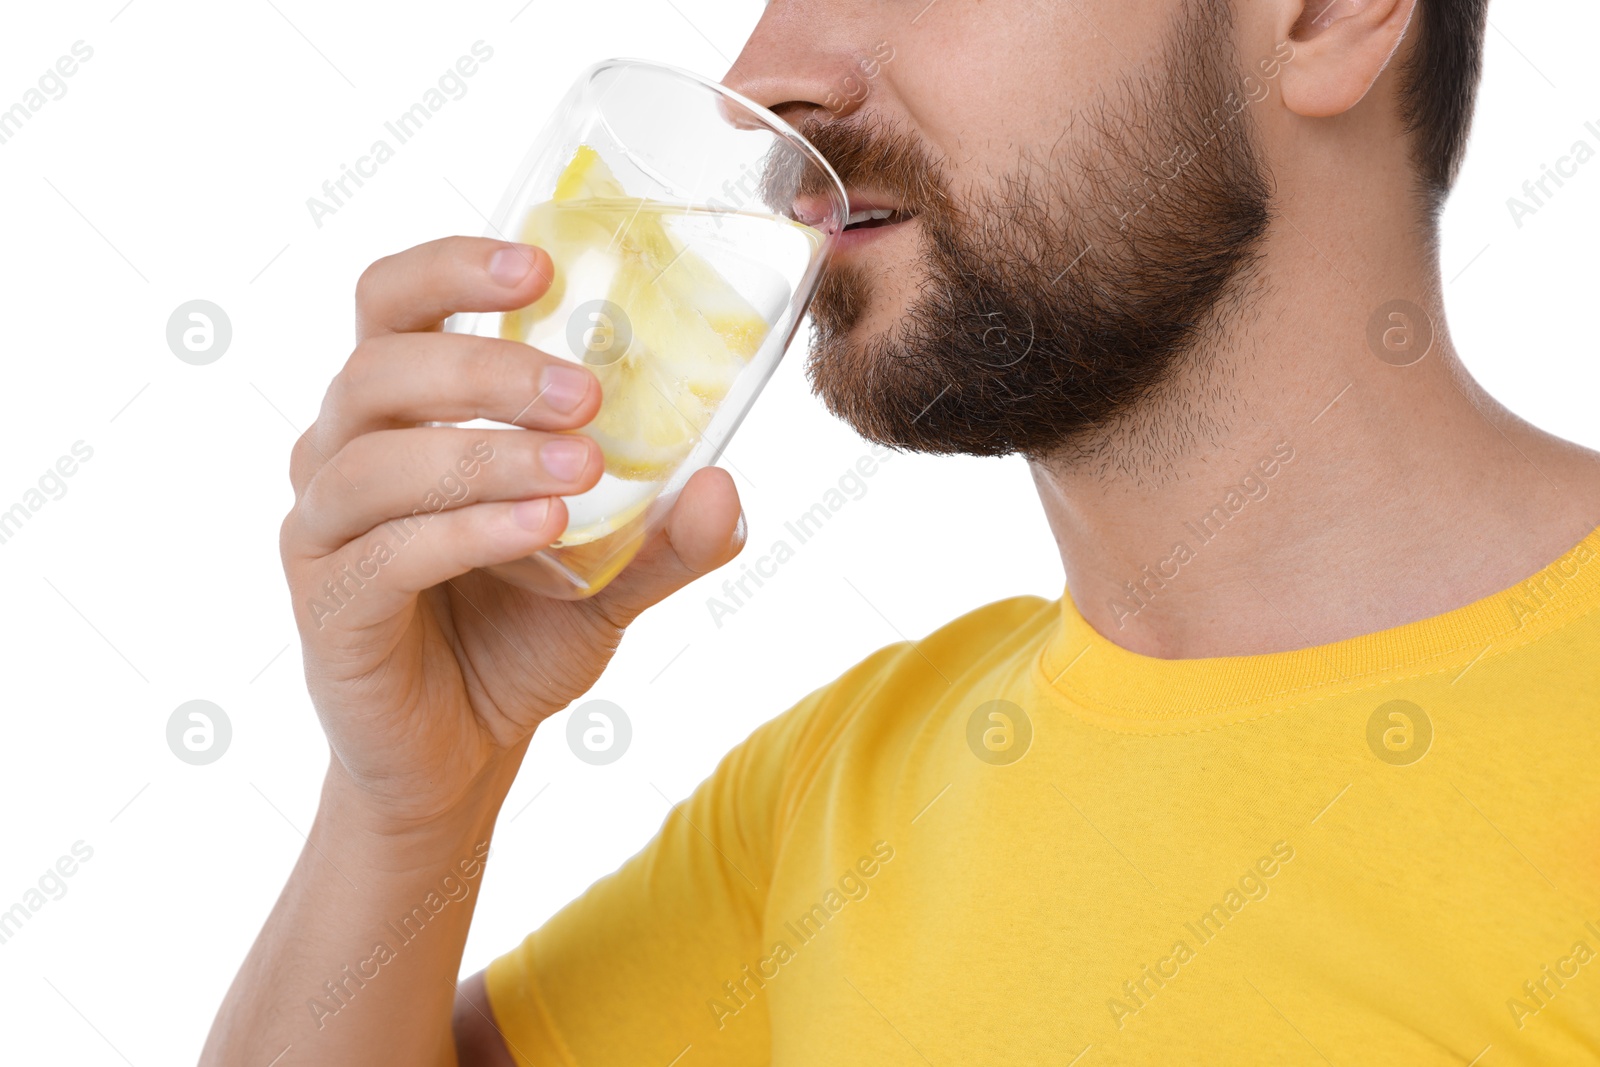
[689, 228]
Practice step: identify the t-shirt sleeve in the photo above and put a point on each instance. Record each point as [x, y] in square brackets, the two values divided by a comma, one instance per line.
[625, 974]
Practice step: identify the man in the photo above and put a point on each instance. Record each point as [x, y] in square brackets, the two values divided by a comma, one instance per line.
[1299, 771]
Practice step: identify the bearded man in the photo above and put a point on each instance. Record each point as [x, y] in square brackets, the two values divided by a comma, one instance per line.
[1298, 770]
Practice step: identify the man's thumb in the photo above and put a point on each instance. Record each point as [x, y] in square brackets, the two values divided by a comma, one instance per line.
[704, 530]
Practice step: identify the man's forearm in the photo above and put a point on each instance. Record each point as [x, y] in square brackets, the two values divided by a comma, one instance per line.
[357, 962]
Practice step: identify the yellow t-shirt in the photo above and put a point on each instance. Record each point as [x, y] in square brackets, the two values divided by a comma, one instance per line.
[1014, 842]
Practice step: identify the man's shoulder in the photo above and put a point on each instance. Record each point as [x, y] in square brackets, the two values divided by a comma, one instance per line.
[893, 690]
[996, 631]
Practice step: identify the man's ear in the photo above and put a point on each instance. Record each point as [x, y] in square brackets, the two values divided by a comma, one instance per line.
[1340, 48]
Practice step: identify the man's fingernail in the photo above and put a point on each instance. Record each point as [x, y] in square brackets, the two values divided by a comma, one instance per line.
[564, 458]
[531, 514]
[509, 266]
[563, 388]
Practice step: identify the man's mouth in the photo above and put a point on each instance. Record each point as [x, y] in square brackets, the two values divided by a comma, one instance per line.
[867, 215]
[870, 224]
[872, 218]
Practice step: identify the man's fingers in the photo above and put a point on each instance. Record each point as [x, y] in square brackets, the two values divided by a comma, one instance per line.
[705, 530]
[402, 379]
[421, 287]
[397, 474]
[374, 578]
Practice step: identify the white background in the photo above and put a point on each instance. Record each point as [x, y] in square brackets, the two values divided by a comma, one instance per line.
[177, 167]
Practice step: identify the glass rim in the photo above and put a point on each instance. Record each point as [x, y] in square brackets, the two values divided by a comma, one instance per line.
[768, 117]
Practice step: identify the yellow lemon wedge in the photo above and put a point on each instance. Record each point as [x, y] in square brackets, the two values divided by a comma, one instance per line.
[671, 336]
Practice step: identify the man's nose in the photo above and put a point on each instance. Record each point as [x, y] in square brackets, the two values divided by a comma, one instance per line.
[797, 63]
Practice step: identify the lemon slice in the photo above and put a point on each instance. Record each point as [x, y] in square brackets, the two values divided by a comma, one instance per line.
[682, 333]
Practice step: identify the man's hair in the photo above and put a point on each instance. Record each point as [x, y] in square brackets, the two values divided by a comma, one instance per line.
[1439, 84]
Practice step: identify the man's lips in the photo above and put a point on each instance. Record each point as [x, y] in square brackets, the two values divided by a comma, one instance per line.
[869, 218]
[868, 214]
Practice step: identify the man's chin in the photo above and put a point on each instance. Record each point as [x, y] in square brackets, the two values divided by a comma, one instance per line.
[860, 303]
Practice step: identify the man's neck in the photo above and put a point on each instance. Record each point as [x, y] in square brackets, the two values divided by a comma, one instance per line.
[1291, 487]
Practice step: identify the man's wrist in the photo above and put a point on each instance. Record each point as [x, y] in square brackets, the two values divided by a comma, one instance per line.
[366, 826]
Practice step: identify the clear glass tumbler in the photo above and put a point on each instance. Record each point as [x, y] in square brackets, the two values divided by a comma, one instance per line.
[689, 228]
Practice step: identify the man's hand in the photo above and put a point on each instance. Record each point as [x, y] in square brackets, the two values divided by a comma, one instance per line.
[422, 666]
[429, 673]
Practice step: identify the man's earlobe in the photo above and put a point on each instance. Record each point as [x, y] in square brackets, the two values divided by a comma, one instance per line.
[1341, 47]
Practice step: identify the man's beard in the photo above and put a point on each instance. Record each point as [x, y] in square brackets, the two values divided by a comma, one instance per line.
[1048, 311]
